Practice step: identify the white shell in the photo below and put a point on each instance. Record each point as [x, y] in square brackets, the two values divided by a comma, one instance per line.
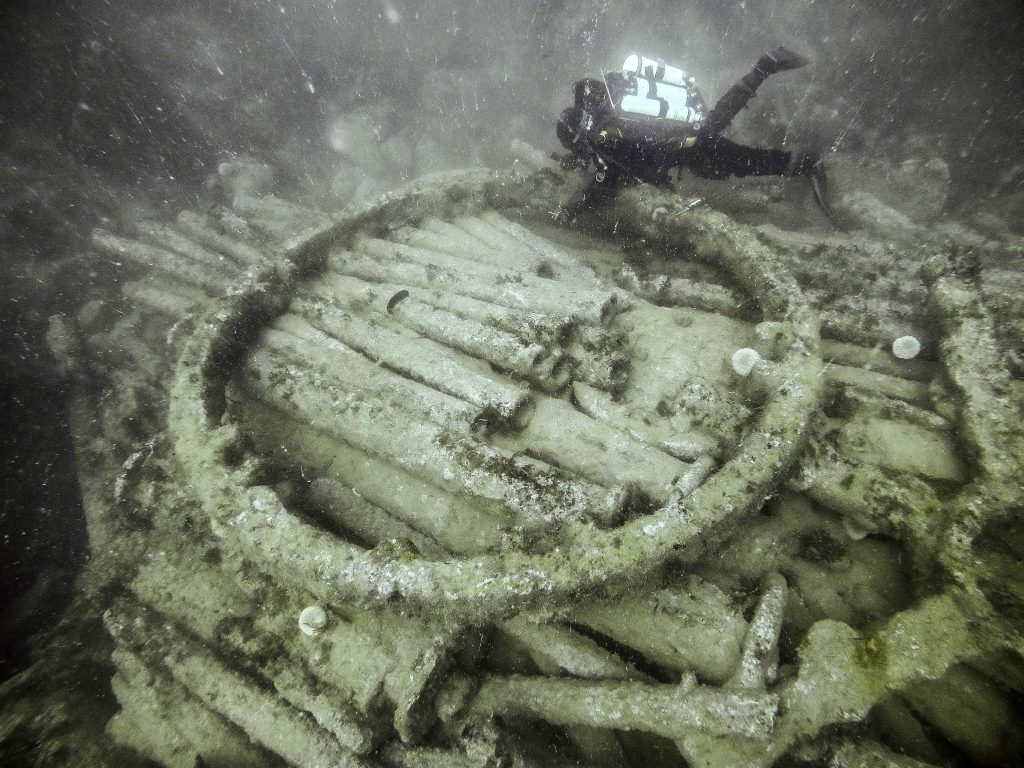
[744, 360]
[906, 347]
[312, 620]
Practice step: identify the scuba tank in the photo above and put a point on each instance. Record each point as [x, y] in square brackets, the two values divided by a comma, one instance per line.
[648, 88]
[654, 69]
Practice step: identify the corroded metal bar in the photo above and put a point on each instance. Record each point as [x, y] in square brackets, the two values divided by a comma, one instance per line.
[382, 664]
[361, 420]
[265, 719]
[123, 344]
[880, 406]
[492, 248]
[814, 259]
[867, 326]
[440, 456]
[211, 618]
[527, 239]
[694, 629]
[167, 263]
[987, 419]
[672, 711]
[601, 357]
[548, 329]
[345, 506]
[467, 263]
[421, 238]
[872, 502]
[696, 473]
[444, 239]
[426, 508]
[481, 341]
[843, 674]
[277, 218]
[166, 237]
[890, 386]
[197, 227]
[558, 650]
[361, 296]
[560, 434]
[878, 359]
[172, 300]
[443, 236]
[651, 428]
[163, 721]
[420, 359]
[353, 374]
[540, 256]
[479, 240]
[608, 372]
[679, 291]
[760, 658]
[398, 755]
[564, 651]
[532, 294]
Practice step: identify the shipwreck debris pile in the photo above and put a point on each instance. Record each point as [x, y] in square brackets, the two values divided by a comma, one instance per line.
[433, 483]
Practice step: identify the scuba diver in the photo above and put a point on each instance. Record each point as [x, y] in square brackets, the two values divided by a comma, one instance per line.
[638, 124]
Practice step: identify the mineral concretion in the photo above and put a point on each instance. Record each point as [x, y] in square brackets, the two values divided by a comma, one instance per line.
[437, 482]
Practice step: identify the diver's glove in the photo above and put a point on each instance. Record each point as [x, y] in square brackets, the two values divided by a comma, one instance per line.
[571, 161]
[779, 60]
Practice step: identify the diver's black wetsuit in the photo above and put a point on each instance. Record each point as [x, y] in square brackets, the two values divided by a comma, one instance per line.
[626, 150]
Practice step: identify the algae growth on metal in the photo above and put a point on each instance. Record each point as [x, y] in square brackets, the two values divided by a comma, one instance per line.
[435, 482]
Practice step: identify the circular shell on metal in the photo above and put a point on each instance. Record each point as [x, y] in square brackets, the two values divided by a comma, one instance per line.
[312, 620]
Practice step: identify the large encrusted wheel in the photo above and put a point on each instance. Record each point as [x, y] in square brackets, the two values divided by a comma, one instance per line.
[371, 363]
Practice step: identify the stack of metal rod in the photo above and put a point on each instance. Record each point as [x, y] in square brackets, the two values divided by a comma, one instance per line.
[419, 365]
[443, 386]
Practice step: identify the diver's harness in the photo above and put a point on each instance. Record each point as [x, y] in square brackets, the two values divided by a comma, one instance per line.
[646, 95]
[584, 136]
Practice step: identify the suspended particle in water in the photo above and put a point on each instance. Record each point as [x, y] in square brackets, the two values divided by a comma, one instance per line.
[391, 14]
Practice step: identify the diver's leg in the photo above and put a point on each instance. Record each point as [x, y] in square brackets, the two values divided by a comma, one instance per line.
[718, 158]
[737, 97]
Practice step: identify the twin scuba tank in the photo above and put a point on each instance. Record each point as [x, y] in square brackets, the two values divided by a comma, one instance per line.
[648, 88]
[651, 101]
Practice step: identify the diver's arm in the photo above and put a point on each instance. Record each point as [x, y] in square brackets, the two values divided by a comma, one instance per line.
[737, 97]
[595, 194]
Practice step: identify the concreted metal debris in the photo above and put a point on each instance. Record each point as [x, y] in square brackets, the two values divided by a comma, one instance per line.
[436, 482]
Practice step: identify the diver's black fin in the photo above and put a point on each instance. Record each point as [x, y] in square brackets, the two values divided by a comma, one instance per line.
[782, 59]
[819, 186]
